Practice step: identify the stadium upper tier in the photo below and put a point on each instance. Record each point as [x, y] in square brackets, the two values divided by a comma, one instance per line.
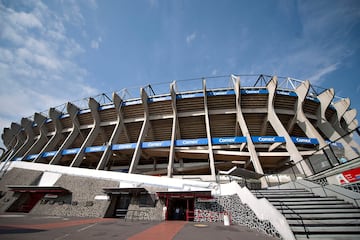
[262, 127]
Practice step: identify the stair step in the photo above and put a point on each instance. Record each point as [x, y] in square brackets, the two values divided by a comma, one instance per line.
[328, 237]
[325, 221]
[306, 199]
[323, 216]
[314, 206]
[323, 229]
[323, 211]
[302, 195]
[281, 190]
[299, 203]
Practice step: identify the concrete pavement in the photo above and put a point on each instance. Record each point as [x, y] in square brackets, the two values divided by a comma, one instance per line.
[27, 226]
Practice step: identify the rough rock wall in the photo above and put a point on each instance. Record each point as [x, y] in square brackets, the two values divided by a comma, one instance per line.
[16, 176]
[238, 212]
[137, 211]
[80, 202]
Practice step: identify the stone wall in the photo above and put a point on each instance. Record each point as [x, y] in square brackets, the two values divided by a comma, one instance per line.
[80, 202]
[16, 176]
[149, 212]
[239, 213]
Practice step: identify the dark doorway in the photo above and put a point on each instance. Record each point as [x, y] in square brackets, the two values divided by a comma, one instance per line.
[25, 202]
[180, 209]
[119, 205]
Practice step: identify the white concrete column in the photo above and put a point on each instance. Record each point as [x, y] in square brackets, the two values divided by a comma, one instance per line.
[281, 131]
[55, 139]
[11, 136]
[94, 107]
[349, 117]
[341, 108]
[72, 111]
[208, 134]
[119, 127]
[301, 119]
[42, 139]
[174, 131]
[240, 120]
[27, 125]
[324, 125]
[144, 129]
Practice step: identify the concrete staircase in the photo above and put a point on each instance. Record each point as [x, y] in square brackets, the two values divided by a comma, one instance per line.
[314, 217]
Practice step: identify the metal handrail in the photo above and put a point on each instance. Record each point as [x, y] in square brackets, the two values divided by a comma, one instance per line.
[292, 210]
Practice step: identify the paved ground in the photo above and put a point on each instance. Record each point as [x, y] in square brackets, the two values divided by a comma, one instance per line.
[24, 226]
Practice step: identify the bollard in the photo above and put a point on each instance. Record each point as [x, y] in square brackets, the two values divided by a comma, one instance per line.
[226, 219]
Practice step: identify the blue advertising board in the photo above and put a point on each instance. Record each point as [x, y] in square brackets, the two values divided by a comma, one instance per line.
[156, 144]
[189, 95]
[221, 93]
[70, 151]
[286, 93]
[32, 156]
[254, 91]
[303, 140]
[159, 99]
[267, 139]
[95, 149]
[132, 102]
[228, 140]
[49, 154]
[123, 146]
[191, 142]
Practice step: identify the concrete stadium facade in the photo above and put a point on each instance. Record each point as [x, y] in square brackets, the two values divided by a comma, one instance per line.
[198, 132]
[195, 149]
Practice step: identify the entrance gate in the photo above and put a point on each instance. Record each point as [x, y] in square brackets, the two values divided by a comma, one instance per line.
[180, 205]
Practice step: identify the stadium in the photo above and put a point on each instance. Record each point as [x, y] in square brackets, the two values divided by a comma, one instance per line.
[207, 146]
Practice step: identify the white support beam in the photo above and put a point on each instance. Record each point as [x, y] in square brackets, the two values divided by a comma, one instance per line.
[42, 139]
[324, 125]
[208, 134]
[72, 111]
[174, 131]
[244, 129]
[301, 119]
[57, 135]
[281, 131]
[119, 127]
[144, 129]
[27, 125]
[94, 107]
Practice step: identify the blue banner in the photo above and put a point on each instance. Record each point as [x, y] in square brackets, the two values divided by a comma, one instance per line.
[221, 93]
[108, 106]
[334, 144]
[191, 142]
[313, 99]
[95, 149]
[254, 91]
[228, 140]
[32, 156]
[49, 154]
[123, 146]
[158, 99]
[189, 95]
[267, 139]
[133, 102]
[70, 151]
[156, 144]
[303, 140]
[286, 93]
[82, 111]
